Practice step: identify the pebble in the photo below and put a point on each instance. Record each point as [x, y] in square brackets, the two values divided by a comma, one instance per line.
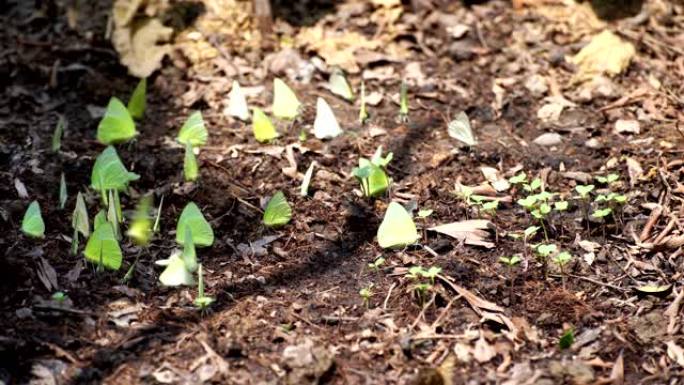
[549, 139]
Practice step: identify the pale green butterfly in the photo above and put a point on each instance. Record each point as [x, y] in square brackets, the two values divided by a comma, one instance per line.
[285, 102]
[117, 125]
[103, 248]
[263, 128]
[278, 212]
[176, 273]
[325, 125]
[338, 85]
[397, 228]
[190, 167]
[201, 230]
[193, 131]
[32, 224]
[138, 101]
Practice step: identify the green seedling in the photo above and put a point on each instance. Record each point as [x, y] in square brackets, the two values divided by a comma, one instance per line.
[59, 297]
[533, 186]
[109, 173]
[601, 213]
[371, 174]
[191, 217]
[79, 222]
[465, 194]
[403, 102]
[567, 339]
[424, 213]
[540, 213]
[190, 166]
[510, 263]
[490, 207]
[543, 252]
[138, 101]
[366, 293]
[584, 191]
[608, 179]
[62, 192]
[117, 125]
[202, 301]
[560, 206]
[421, 290]
[103, 248]
[431, 273]
[57, 134]
[519, 179]
[363, 113]
[193, 131]
[561, 259]
[32, 225]
[417, 273]
[278, 212]
[375, 265]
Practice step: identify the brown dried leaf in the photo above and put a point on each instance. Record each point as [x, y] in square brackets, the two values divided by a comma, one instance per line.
[473, 232]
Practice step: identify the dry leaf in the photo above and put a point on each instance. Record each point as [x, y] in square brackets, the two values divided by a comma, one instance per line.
[473, 232]
[478, 304]
[675, 352]
[634, 170]
[483, 351]
[617, 374]
[606, 54]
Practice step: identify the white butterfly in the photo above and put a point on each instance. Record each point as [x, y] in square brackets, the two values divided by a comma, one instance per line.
[459, 129]
[326, 125]
[237, 103]
[338, 85]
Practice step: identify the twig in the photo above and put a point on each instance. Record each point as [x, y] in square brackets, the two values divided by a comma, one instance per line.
[422, 311]
[652, 219]
[673, 310]
[389, 292]
[608, 285]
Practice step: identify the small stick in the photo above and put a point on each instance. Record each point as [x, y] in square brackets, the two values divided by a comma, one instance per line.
[652, 219]
[389, 292]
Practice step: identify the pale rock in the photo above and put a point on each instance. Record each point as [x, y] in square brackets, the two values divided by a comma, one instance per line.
[549, 139]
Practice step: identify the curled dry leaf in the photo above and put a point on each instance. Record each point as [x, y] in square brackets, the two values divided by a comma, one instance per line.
[606, 54]
[473, 232]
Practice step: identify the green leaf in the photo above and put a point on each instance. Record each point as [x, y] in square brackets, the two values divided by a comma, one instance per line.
[425, 213]
[263, 129]
[140, 230]
[278, 212]
[490, 206]
[510, 261]
[117, 125]
[545, 250]
[584, 190]
[110, 173]
[176, 273]
[561, 205]
[32, 224]
[304, 188]
[602, 212]
[397, 228]
[103, 248]
[79, 218]
[562, 258]
[193, 131]
[62, 192]
[531, 231]
[138, 101]
[189, 252]
[378, 160]
[190, 166]
[285, 102]
[567, 339]
[192, 217]
[518, 179]
[57, 134]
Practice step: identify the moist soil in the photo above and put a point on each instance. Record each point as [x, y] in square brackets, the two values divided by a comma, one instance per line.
[288, 308]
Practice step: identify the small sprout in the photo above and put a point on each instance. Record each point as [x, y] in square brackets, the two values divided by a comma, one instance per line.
[601, 213]
[421, 290]
[584, 190]
[518, 179]
[202, 301]
[59, 296]
[278, 212]
[544, 250]
[465, 193]
[608, 179]
[431, 273]
[618, 198]
[544, 196]
[530, 231]
[601, 198]
[366, 293]
[155, 228]
[371, 174]
[542, 211]
[567, 339]
[560, 205]
[533, 186]
[424, 213]
[415, 272]
[403, 102]
[528, 202]
[375, 265]
[562, 258]
[32, 224]
[490, 207]
[510, 261]
[363, 113]
[62, 192]
[57, 134]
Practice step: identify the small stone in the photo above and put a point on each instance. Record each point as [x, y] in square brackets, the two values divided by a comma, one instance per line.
[537, 85]
[593, 143]
[549, 139]
[624, 126]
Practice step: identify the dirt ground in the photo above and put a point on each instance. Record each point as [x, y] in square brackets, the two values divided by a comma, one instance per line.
[288, 309]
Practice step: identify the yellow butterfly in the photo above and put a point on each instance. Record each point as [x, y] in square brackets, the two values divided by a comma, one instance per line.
[285, 102]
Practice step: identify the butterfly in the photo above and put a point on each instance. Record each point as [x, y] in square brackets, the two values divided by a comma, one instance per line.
[278, 212]
[285, 102]
[397, 228]
[325, 125]
[460, 129]
[263, 128]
